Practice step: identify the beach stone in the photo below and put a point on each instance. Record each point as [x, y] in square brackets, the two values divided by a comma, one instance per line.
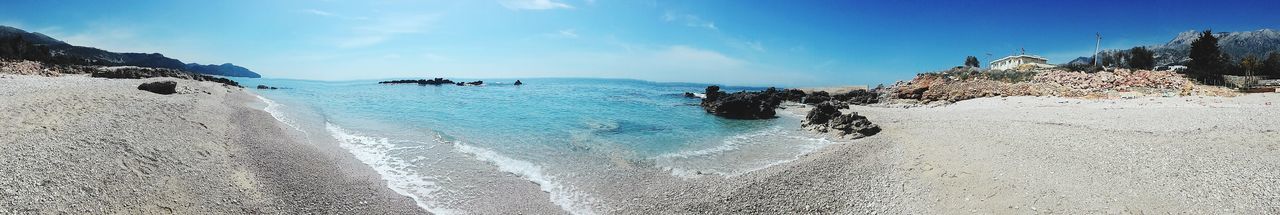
[827, 118]
[160, 87]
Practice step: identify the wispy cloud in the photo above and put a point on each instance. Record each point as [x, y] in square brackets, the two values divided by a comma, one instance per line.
[566, 33]
[318, 12]
[386, 28]
[534, 4]
[689, 20]
[685, 55]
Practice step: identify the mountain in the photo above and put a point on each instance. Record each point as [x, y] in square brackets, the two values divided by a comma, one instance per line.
[17, 43]
[225, 69]
[1236, 44]
[1081, 61]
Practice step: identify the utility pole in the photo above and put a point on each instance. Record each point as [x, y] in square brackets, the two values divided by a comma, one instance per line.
[1097, 48]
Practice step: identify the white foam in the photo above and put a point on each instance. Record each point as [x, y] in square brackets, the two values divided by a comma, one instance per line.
[561, 195]
[273, 108]
[804, 143]
[729, 144]
[398, 173]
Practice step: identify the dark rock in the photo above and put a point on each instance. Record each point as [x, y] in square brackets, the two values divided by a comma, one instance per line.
[857, 97]
[818, 97]
[160, 87]
[741, 105]
[475, 83]
[518, 82]
[265, 87]
[436, 82]
[460, 84]
[793, 95]
[690, 95]
[826, 118]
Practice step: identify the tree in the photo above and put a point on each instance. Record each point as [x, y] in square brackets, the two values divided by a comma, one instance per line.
[1271, 66]
[1250, 64]
[972, 61]
[1206, 58]
[1141, 58]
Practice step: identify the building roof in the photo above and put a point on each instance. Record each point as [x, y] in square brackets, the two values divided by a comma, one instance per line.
[1020, 56]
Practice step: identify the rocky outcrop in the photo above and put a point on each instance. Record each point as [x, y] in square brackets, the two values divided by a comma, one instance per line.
[826, 118]
[741, 105]
[131, 72]
[816, 98]
[857, 97]
[436, 82]
[793, 95]
[160, 87]
[475, 83]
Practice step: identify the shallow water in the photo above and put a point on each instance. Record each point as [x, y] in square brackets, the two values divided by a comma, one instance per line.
[442, 144]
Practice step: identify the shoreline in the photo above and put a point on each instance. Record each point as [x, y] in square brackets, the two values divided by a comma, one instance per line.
[213, 149]
[202, 150]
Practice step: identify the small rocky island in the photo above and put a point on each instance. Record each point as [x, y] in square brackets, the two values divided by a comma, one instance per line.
[825, 117]
[438, 82]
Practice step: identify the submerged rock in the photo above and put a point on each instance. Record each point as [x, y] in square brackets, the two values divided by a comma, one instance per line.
[265, 87]
[741, 105]
[826, 118]
[160, 87]
[475, 83]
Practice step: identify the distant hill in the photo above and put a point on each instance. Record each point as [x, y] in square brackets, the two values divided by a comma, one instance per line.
[1237, 44]
[18, 43]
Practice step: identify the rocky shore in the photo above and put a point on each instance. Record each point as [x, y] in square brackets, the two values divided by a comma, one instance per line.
[81, 145]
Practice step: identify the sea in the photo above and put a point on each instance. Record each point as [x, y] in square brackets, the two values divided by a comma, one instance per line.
[448, 147]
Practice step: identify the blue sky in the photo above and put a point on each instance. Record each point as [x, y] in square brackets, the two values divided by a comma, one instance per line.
[776, 43]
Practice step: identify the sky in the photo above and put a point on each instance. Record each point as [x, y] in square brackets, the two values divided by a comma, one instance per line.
[737, 42]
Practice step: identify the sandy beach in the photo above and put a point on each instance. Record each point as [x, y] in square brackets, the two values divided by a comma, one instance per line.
[76, 144]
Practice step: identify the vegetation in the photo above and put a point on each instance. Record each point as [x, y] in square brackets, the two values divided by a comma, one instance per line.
[1271, 66]
[1141, 58]
[972, 61]
[1207, 60]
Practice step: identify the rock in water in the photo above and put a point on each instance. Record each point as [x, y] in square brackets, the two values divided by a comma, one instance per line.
[518, 82]
[741, 105]
[160, 87]
[826, 118]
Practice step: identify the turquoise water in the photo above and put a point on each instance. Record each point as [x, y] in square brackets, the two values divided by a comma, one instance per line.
[440, 144]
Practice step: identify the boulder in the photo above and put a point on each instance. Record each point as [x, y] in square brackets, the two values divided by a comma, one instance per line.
[475, 83]
[160, 87]
[827, 118]
[741, 105]
[690, 95]
[518, 82]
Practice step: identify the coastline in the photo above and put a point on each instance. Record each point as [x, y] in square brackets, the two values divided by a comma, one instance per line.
[90, 145]
[212, 149]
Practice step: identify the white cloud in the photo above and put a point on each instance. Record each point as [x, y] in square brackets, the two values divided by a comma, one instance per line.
[566, 33]
[534, 4]
[385, 28]
[685, 55]
[689, 20]
[319, 12]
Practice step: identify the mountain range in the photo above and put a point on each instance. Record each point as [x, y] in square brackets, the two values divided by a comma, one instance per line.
[17, 43]
[1236, 44]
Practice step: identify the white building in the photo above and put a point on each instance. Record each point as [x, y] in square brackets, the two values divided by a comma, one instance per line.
[1016, 61]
